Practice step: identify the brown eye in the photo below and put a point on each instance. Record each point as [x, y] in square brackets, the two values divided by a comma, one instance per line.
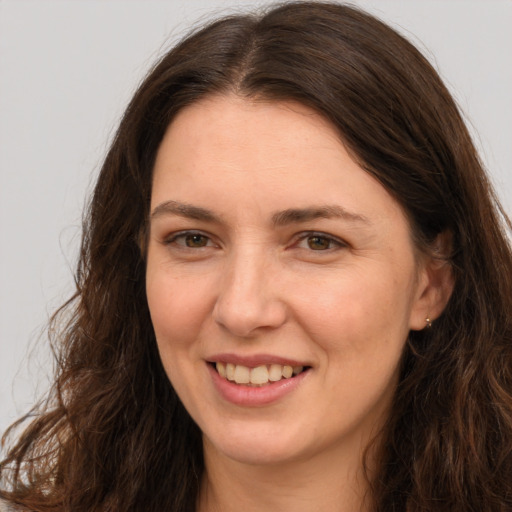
[196, 240]
[319, 243]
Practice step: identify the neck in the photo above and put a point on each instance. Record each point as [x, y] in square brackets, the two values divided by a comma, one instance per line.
[331, 482]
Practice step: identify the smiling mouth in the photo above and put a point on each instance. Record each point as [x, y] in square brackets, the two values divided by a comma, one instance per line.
[262, 375]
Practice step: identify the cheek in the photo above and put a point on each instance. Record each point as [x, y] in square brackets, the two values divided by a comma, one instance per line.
[178, 307]
[359, 311]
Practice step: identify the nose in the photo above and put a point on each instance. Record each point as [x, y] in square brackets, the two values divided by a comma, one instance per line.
[249, 298]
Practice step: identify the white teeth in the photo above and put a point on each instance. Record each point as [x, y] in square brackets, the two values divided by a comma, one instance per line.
[257, 376]
[275, 373]
[230, 371]
[242, 374]
[287, 371]
[221, 369]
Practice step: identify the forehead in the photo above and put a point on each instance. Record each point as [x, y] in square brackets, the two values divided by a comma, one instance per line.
[225, 150]
[229, 122]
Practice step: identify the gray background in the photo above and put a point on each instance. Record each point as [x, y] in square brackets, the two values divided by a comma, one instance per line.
[67, 70]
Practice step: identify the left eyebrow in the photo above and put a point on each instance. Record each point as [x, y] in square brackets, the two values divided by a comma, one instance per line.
[298, 215]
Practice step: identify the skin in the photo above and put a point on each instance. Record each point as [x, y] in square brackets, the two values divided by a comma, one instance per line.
[338, 294]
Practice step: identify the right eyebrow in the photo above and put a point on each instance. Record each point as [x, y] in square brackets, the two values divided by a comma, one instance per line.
[184, 210]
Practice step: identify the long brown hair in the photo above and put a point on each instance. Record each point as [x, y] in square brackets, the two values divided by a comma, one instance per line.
[114, 436]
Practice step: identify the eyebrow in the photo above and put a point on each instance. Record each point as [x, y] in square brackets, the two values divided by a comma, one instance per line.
[282, 218]
[298, 215]
[184, 210]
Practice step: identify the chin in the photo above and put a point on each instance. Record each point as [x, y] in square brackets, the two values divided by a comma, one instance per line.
[255, 446]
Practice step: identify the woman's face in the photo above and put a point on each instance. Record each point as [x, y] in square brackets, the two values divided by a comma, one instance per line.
[272, 252]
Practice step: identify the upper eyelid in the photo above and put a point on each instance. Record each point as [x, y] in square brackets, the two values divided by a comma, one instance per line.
[176, 234]
[320, 234]
[296, 238]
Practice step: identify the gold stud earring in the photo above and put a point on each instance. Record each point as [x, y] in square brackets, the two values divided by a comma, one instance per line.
[428, 322]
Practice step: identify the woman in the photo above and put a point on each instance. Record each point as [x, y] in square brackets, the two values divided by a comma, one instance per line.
[294, 290]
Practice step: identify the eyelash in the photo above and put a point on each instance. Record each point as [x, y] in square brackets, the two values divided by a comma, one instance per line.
[183, 235]
[332, 242]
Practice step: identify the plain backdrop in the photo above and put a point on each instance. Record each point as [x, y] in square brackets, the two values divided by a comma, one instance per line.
[68, 69]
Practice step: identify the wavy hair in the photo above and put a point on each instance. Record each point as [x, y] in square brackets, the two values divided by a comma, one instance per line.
[113, 435]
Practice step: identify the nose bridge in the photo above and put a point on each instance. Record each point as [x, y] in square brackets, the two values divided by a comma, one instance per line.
[248, 297]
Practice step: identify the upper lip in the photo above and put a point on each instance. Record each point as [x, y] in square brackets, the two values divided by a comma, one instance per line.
[253, 360]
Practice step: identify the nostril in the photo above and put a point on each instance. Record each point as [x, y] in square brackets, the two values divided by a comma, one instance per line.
[244, 320]
[249, 301]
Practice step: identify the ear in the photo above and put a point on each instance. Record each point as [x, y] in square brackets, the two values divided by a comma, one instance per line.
[435, 283]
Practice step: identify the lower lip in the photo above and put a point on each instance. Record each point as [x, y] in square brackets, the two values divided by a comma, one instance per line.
[249, 396]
